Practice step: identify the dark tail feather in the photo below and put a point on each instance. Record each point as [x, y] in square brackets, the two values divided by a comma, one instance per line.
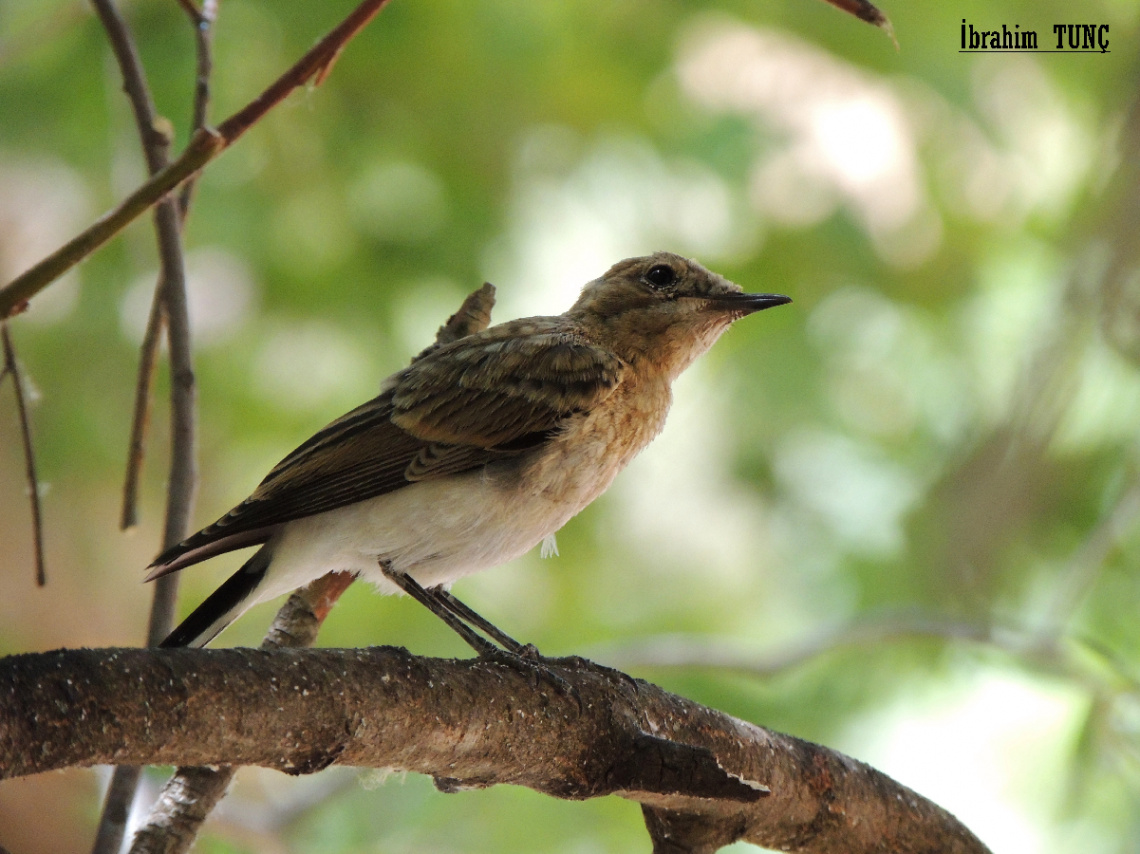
[221, 607]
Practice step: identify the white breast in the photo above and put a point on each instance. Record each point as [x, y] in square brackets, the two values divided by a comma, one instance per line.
[441, 530]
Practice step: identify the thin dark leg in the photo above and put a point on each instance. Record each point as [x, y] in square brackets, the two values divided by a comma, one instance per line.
[473, 618]
[412, 587]
[457, 615]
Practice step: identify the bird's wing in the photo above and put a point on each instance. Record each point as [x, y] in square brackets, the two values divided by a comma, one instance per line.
[481, 398]
[500, 388]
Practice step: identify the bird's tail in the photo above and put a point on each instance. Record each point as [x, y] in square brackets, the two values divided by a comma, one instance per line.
[221, 607]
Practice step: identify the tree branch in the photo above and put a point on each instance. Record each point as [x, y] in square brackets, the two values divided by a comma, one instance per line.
[869, 631]
[169, 304]
[140, 417]
[10, 365]
[202, 21]
[701, 774]
[204, 146]
[864, 10]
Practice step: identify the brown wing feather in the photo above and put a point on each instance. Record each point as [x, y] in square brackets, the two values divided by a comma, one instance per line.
[360, 455]
[490, 395]
[493, 388]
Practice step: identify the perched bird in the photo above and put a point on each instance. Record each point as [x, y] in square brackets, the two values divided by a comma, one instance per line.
[474, 453]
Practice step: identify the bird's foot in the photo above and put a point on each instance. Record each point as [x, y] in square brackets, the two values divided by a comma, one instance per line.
[530, 651]
[535, 666]
[577, 662]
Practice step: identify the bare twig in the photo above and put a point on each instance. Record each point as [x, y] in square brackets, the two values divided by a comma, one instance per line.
[864, 10]
[687, 651]
[140, 419]
[203, 147]
[203, 20]
[153, 134]
[1085, 565]
[183, 479]
[12, 366]
[169, 302]
[314, 65]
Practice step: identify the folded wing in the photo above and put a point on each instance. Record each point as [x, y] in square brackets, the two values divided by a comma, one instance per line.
[487, 396]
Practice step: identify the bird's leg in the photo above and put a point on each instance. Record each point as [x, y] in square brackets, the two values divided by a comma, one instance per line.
[473, 618]
[412, 587]
[457, 616]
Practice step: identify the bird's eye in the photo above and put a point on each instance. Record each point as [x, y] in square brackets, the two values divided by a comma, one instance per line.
[661, 276]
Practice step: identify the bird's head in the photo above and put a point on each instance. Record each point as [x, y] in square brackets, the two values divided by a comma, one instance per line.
[664, 308]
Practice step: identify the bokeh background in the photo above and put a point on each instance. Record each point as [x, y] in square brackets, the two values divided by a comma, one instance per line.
[898, 517]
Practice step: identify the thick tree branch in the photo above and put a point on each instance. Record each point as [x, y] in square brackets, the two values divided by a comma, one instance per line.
[701, 773]
[204, 146]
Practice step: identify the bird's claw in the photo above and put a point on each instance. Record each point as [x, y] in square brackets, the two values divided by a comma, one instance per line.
[536, 666]
[530, 652]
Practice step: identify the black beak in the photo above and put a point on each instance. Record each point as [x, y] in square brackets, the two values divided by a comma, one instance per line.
[748, 303]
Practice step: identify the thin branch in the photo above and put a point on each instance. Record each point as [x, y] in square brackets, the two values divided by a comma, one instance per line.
[12, 366]
[140, 419]
[203, 20]
[204, 145]
[1085, 565]
[864, 10]
[313, 65]
[154, 135]
[468, 724]
[183, 478]
[688, 651]
[170, 302]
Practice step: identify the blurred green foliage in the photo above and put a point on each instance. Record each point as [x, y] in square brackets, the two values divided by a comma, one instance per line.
[910, 496]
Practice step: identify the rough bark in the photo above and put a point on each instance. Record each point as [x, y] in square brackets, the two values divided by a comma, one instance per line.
[575, 730]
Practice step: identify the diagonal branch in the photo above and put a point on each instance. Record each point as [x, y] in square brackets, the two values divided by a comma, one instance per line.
[204, 145]
[865, 10]
[140, 416]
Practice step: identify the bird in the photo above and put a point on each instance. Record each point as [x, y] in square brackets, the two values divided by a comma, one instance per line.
[475, 452]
